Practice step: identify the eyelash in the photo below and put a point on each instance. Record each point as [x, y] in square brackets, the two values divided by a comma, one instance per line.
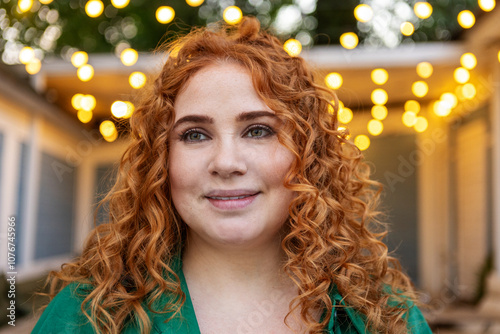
[184, 135]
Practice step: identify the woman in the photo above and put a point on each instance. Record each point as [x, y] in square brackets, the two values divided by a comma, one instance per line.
[239, 208]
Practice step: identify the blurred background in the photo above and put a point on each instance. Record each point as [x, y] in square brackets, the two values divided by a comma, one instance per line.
[419, 85]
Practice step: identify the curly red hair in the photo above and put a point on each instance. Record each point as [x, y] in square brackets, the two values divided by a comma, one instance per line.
[333, 237]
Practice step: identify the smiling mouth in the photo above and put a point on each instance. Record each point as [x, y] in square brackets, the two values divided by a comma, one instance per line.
[230, 198]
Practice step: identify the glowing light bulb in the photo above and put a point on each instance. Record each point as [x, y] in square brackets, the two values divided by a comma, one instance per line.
[292, 47]
[421, 124]
[94, 8]
[423, 10]
[345, 115]
[79, 58]
[76, 101]
[34, 66]
[334, 80]
[84, 116]
[85, 72]
[87, 102]
[119, 109]
[379, 96]
[461, 75]
[375, 127]
[419, 88]
[468, 60]
[469, 91]
[487, 5]
[362, 142]
[349, 40]
[232, 15]
[107, 128]
[409, 118]
[24, 5]
[450, 98]
[165, 14]
[194, 3]
[407, 28]
[379, 112]
[424, 69]
[379, 76]
[129, 57]
[120, 3]
[466, 19]
[26, 55]
[137, 80]
[363, 13]
[412, 105]
[441, 108]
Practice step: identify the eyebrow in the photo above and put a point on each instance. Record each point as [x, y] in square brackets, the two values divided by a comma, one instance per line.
[242, 117]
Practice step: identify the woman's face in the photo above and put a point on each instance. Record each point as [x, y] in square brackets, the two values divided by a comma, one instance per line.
[226, 165]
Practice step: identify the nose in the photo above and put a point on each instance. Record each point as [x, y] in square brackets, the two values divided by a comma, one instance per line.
[227, 159]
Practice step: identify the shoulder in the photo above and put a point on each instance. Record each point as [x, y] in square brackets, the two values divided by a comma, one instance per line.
[64, 313]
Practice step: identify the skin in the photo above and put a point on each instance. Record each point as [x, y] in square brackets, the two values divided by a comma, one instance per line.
[231, 253]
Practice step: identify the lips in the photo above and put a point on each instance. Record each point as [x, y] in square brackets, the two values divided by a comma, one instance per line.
[231, 199]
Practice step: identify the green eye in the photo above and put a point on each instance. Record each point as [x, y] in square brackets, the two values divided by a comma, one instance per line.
[259, 132]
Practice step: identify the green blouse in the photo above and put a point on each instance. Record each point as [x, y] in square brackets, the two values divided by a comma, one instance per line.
[63, 315]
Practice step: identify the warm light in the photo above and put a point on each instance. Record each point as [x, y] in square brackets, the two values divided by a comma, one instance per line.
[330, 108]
[450, 98]
[129, 57]
[422, 9]
[362, 142]
[345, 115]
[499, 56]
[26, 55]
[79, 58]
[407, 28]
[111, 138]
[469, 91]
[441, 108]
[349, 40]
[85, 72]
[424, 69]
[137, 80]
[130, 109]
[119, 109]
[165, 14]
[363, 13]
[379, 112]
[412, 105]
[334, 80]
[94, 8]
[24, 5]
[487, 5]
[409, 118]
[84, 116]
[120, 3]
[34, 66]
[232, 15]
[419, 88]
[45, 2]
[107, 128]
[292, 47]
[461, 75]
[421, 124]
[87, 103]
[375, 127]
[379, 96]
[379, 76]
[468, 60]
[194, 3]
[76, 101]
[466, 19]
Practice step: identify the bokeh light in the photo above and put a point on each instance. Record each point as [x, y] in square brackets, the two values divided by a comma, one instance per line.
[423, 10]
[119, 109]
[468, 60]
[79, 58]
[407, 28]
[111, 138]
[292, 47]
[85, 72]
[421, 124]
[87, 102]
[441, 108]
[194, 3]
[379, 76]
[469, 91]
[450, 98]
[345, 115]
[129, 57]
[349, 40]
[137, 80]
[334, 80]
[107, 128]
[424, 69]
[487, 5]
[362, 142]
[165, 14]
[419, 88]
[130, 109]
[84, 116]
[76, 101]
[379, 96]
[466, 19]
[94, 8]
[24, 5]
[45, 2]
[363, 13]
[34, 66]
[409, 118]
[461, 75]
[412, 105]
[26, 55]
[232, 15]
[375, 127]
[120, 3]
[379, 112]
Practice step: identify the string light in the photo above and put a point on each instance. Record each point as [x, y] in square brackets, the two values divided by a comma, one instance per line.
[85, 72]
[407, 28]
[334, 80]
[363, 13]
[345, 115]
[466, 19]
[362, 142]
[412, 105]
[379, 112]
[421, 124]
[232, 15]
[419, 88]
[120, 3]
[79, 58]
[129, 57]
[137, 80]
[26, 55]
[84, 116]
[468, 60]
[487, 5]
[379, 76]
[461, 75]
[24, 5]
[165, 14]
[94, 8]
[292, 47]
[409, 118]
[424, 69]
[194, 3]
[375, 127]
[349, 40]
[379, 96]
[423, 10]
[34, 66]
